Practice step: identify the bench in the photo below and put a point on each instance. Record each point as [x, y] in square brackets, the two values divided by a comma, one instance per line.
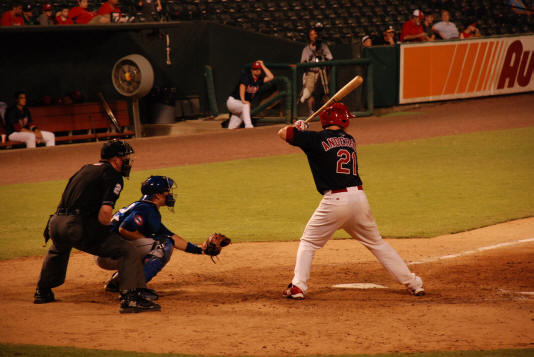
[79, 122]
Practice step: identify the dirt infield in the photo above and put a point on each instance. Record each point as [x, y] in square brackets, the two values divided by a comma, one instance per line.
[477, 298]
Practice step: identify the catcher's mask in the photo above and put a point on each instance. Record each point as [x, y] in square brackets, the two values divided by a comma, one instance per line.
[336, 114]
[159, 184]
[120, 149]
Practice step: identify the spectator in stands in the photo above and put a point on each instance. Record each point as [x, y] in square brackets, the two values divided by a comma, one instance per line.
[151, 9]
[388, 37]
[446, 29]
[27, 14]
[412, 30]
[20, 126]
[80, 15]
[62, 17]
[427, 26]
[470, 30]
[46, 18]
[110, 9]
[367, 41]
[238, 102]
[315, 51]
[13, 17]
[519, 7]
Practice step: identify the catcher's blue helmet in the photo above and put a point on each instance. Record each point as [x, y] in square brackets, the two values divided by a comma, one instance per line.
[158, 184]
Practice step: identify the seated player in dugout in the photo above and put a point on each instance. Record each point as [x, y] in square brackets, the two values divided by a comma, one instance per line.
[141, 222]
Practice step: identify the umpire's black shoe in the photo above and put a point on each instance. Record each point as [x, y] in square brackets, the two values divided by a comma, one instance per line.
[43, 296]
[112, 284]
[133, 301]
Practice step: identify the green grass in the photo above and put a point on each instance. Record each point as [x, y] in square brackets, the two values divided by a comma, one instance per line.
[419, 188]
[49, 351]
[398, 114]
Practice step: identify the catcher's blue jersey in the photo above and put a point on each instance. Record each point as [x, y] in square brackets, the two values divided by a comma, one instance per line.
[142, 216]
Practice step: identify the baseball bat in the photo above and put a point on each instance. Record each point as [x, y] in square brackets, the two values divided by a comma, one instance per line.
[109, 112]
[340, 94]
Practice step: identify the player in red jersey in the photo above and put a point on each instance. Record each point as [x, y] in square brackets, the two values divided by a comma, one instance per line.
[333, 162]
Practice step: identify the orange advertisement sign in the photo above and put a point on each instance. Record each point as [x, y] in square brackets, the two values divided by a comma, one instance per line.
[466, 68]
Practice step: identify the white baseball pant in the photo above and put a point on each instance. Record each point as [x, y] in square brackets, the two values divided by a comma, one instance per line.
[29, 138]
[240, 113]
[351, 211]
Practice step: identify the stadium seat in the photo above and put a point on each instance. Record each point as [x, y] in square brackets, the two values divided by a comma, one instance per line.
[344, 20]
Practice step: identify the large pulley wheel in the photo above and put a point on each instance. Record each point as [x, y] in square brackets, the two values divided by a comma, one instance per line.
[133, 76]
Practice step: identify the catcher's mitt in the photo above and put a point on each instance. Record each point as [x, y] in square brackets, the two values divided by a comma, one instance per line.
[214, 244]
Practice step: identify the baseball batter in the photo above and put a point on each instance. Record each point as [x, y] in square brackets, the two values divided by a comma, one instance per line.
[333, 161]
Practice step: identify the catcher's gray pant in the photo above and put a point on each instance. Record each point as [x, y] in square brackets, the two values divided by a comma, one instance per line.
[67, 231]
[143, 247]
[348, 210]
[240, 113]
[158, 254]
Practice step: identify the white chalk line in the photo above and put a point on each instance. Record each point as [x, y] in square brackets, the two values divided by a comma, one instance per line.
[474, 251]
[430, 260]
[359, 286]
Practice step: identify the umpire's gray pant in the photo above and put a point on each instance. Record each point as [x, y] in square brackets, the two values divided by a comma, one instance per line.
[68, 231]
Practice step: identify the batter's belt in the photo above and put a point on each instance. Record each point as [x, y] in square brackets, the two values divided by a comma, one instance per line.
[345, 189]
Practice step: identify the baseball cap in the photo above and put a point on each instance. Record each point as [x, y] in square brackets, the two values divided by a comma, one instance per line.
[256, 65]
[389, 28]
[47, 7]
[27, 7]
[417, 13]
[365, 38]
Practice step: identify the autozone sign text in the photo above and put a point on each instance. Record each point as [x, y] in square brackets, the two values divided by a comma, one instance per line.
[466, 68]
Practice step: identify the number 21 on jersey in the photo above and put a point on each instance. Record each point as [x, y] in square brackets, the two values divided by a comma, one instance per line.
[346, 162]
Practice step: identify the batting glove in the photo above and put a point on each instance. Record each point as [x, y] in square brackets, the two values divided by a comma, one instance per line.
[301, 125]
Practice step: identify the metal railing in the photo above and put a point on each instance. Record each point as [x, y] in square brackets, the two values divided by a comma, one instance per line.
[289, 85]
[332, 85]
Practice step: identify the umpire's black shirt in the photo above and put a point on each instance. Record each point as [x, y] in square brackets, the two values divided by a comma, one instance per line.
[91, 187]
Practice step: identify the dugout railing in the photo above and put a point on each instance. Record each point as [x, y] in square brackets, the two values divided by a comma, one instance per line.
[289, 86]
[334, 81]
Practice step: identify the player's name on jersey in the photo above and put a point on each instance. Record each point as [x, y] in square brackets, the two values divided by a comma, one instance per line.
[337, 141]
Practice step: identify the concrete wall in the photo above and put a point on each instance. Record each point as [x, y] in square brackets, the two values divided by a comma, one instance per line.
[56, 60]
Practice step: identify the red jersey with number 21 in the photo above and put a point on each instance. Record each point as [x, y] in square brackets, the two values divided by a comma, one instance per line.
[331, 155]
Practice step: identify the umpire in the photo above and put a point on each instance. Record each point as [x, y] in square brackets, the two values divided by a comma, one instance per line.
[82, 221]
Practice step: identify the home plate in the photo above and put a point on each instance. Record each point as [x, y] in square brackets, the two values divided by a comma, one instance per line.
[359, 286]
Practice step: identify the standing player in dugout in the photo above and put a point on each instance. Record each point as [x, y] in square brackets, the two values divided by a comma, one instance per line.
[333, 161]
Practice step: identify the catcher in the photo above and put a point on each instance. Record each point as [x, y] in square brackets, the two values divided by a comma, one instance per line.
[141, 223]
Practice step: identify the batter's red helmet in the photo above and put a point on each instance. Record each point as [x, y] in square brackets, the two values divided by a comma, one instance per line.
[336, 114]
